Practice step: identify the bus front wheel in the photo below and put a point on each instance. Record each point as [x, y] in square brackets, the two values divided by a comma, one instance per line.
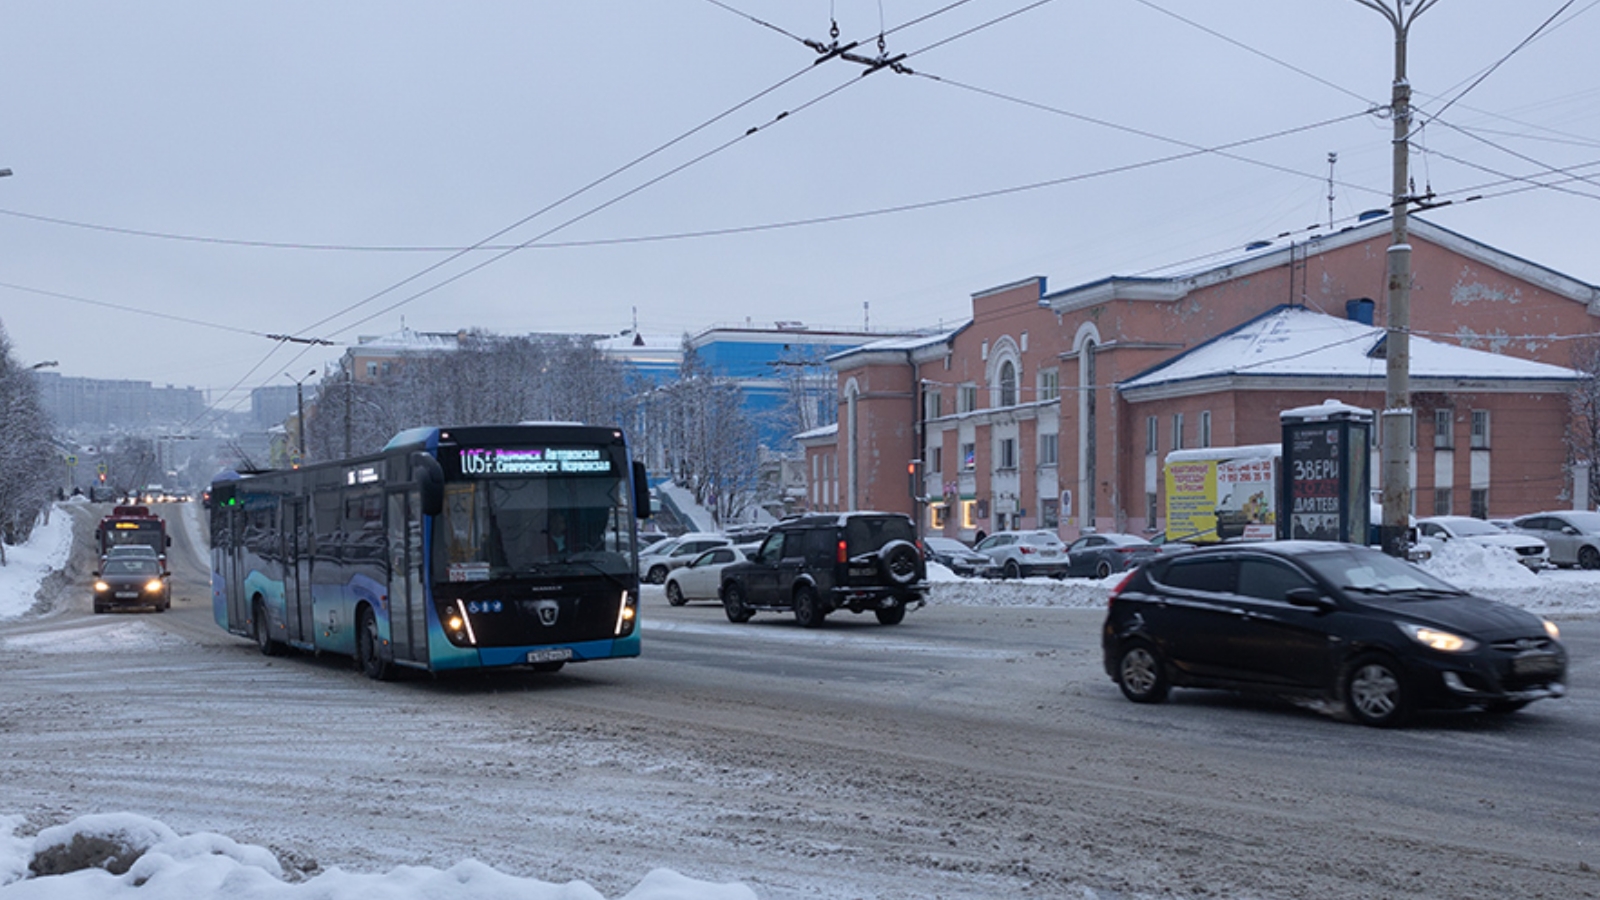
[263, 632]
[369, 648]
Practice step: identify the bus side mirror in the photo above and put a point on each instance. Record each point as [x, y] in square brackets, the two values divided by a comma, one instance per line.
[169, 540]
[641, 491]
[429, 476]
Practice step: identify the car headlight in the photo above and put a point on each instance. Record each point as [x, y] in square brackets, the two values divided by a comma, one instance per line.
[1551, 629]
[100, 587]
[1437, 638]
[153, 586]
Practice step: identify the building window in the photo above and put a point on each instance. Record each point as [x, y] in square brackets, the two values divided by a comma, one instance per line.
[1150, 509]
[1442, 437]
[1008, 453]
[1050, 384]
[1441, 501]
[1177, 431]
[1152, 435]
[1048, 448]
[1008, 384]
[967, 398]
[931, 405]
[1049, 513]
[969, 514]
[372, 370]
[969, 457]
[1205, 428]
[1480, 503]
[938, 513]
[936, 459]
[1480, 429]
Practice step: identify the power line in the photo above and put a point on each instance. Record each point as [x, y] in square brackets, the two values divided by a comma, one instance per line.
[1502, 61]
[57, 295]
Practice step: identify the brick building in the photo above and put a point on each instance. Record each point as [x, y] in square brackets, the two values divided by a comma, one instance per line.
[1056, 409]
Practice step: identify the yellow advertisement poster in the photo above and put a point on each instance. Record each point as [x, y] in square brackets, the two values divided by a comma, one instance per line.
[1192, 500]
[1219, 494]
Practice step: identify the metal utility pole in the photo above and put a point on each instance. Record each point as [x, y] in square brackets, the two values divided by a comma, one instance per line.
[1396, 426]
[300, 408]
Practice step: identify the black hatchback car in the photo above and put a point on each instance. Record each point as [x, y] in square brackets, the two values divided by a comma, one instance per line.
[1335, 621]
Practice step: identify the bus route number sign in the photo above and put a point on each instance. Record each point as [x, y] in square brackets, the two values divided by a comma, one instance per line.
[489, 462]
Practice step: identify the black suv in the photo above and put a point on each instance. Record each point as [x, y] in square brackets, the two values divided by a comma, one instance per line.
[815, 564]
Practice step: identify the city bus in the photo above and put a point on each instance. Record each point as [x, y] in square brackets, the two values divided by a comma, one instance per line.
[453, 548]
[133, 526]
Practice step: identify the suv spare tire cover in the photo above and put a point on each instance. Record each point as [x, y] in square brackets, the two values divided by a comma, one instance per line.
[899, 561]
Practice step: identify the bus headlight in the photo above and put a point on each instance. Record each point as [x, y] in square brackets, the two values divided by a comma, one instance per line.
[457, 624]
[627, 612]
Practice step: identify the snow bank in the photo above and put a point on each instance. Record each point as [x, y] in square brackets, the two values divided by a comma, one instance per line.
[27, 564]
[124, 855]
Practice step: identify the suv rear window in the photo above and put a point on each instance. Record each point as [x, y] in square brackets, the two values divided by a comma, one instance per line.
[864, 535]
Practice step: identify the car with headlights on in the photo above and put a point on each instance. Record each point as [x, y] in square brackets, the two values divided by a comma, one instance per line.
[1339, 622]
[131, 582]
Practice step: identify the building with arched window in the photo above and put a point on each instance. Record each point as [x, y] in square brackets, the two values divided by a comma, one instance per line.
[1057, 409]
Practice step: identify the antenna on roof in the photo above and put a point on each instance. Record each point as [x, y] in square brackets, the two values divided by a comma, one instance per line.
[866, 315]
[1333, 158]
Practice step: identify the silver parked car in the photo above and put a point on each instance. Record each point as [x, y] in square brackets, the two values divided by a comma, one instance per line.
[1573, 536]
[656, 560]
[1102, 555]
[1019, 554]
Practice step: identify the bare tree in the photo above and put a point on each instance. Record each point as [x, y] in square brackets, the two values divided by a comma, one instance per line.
[28, 459]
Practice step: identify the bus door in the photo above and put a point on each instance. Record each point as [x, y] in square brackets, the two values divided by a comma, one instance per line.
[408, 610]
[228, 548]
[297, 612]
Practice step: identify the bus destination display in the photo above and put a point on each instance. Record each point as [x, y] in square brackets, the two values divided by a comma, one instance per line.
[489, 462]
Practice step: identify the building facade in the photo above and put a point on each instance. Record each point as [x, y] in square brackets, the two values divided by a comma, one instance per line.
[1056, 409]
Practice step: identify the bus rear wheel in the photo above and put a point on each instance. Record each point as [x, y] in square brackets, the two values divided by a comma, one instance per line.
[369, 648]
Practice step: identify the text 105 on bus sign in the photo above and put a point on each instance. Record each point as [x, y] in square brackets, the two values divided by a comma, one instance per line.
[533, 461]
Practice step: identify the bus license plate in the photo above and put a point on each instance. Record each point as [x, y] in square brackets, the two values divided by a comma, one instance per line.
[544, 656]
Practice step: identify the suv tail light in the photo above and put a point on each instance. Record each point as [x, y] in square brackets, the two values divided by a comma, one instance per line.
[844, 552]
[1026, 549]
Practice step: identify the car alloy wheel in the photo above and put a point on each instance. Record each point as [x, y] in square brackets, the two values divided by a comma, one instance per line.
[1141, 675]
[675, 594]
[733, 603]
[1375, 693]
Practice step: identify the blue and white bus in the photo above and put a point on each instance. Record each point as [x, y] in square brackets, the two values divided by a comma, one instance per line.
[453, 548]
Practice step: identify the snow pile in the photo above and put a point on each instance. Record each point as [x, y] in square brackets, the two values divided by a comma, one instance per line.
[28, 564]
[1480, 569]
[124, 855]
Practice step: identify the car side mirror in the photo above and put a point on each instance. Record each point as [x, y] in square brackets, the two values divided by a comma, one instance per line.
[95, 574]
[1568, 530]
[1310, 598]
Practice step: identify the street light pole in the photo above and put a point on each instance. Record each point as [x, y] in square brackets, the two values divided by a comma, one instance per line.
[1397, 420]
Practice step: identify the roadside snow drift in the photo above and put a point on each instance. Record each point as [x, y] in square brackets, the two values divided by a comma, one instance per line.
[124, 855]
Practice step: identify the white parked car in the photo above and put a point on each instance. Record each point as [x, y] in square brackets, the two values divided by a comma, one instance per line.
[1573, 536]
[1531, 551]
[659, 559]
[1019, 554]
[702, 578]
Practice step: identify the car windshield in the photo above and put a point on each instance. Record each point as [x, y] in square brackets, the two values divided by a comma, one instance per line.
[1125, 540]
[1472, 527]
[133, 566]
[946, 545]
[1371, 572]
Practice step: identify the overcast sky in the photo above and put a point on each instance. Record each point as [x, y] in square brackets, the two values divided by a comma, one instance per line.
[251, 169]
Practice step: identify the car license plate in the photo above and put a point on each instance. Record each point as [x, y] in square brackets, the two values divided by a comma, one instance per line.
[544, 656]
[1536, 664]
[127, 595]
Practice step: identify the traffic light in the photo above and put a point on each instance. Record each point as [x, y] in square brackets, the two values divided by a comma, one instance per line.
[914, 477]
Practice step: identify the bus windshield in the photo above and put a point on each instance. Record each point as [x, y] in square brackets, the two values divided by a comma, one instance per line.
[510, 526]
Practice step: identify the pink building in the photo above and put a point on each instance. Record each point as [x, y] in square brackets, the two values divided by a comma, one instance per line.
[1056, 410]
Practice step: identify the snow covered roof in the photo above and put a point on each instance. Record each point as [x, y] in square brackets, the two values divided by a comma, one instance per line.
[899, 345]
[823, 432]
[1295, 342]
[407, 339]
